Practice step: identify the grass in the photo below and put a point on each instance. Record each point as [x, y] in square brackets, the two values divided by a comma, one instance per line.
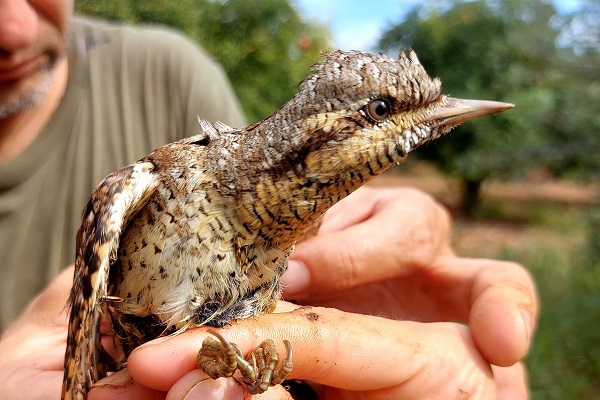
[559, 245]
[564, 362]
[553, 216]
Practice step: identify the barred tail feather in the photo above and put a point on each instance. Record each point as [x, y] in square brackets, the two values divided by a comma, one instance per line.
[115, 200]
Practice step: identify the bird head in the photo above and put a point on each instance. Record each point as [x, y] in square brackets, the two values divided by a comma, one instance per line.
[372, 110]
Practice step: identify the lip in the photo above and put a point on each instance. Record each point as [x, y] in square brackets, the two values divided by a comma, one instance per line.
[18, 71]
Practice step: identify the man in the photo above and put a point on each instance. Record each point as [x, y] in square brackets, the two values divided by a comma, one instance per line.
[79, 99]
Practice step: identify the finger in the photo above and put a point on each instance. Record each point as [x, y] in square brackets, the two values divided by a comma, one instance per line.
[53, 299]
[32, 348]
[275, 393]
[48, 308]
[121, 386]
[497, 299]
[355, 352]
[511, 382]
[346, 213]
[394, 237]
[42, 350]
[504, 312]
[37, 339]
[28, 383]
[197, 385]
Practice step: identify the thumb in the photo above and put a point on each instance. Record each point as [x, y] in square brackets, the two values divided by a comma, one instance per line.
[371, 235]
[49, 307]
[396, 231]
[336, 261]
[391, 242]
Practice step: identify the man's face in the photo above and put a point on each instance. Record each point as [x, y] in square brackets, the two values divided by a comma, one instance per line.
[33, 36]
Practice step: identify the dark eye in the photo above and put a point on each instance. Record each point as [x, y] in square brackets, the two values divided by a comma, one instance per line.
[379, 109]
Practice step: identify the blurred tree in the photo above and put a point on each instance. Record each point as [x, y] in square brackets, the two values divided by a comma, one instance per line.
[575, 124]
[507, 50]
[264, 46]
[581, 29]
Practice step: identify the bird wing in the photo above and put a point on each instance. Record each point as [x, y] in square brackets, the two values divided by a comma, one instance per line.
[116, 199]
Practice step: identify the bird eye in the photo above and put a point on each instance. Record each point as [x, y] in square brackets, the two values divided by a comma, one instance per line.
[379, 109]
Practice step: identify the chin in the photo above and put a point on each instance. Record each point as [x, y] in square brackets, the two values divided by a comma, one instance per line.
[26, 93]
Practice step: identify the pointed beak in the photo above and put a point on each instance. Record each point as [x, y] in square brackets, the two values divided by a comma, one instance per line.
[456, 111]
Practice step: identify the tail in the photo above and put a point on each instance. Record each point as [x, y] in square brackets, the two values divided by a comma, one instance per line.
[114, 201]
[82, 366]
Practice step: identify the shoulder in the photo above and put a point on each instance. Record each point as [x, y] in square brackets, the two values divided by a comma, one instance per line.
[154, 75]
[150, 45]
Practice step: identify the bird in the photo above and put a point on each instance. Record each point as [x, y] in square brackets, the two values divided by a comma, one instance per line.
[198, 232]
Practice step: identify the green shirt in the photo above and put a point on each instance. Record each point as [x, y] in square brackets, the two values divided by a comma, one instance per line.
[129, 91]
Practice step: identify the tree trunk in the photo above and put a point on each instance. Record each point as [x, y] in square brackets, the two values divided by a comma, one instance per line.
[471, 196]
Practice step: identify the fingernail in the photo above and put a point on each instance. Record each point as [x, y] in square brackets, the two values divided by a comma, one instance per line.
[215, 389]
[296, 279]
[528, 323]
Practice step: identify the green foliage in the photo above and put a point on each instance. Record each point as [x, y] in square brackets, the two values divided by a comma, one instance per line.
[509, 50]
[265, 48]
[551, 241]
[564, 362]
[593, 234]
[554, 216]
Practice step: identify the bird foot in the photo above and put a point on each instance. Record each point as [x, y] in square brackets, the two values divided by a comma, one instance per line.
[221, 358]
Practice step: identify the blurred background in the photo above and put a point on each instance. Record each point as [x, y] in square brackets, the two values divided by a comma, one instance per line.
[522, 185]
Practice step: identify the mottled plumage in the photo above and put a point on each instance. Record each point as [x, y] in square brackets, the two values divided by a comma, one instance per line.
[199, 231]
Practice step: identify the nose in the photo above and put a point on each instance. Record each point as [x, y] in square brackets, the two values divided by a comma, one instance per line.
[18, 25]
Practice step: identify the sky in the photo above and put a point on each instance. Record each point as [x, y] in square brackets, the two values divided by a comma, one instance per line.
[357, 24]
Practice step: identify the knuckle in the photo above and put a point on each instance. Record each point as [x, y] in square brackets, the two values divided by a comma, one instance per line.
[507, 275]
[348, 272]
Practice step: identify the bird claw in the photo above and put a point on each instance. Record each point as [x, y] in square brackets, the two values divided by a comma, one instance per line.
[221, 358]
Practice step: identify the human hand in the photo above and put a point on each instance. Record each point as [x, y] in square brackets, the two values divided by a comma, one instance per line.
[32, 349]
[388, 252]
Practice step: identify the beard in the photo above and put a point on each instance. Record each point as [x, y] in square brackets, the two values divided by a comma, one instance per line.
[26, 93]
[32, 88]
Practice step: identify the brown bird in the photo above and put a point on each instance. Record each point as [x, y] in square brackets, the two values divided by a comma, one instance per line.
[199, 231]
